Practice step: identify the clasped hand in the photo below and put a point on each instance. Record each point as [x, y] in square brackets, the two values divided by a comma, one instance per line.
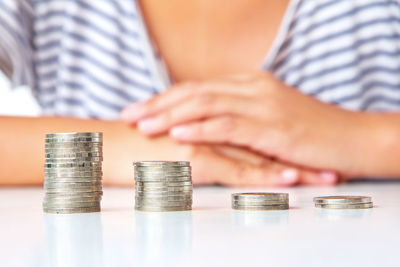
[254, 111]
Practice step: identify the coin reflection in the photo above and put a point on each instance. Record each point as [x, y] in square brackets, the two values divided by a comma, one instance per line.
[73, 240]
[260, 218]
[163, 238]
[342, 214]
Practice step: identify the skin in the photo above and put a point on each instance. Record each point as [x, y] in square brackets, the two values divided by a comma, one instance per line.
[259, 112]
[198, 26]
[23, 154]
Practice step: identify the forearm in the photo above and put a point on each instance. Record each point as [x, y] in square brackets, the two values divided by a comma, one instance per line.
[22, 148]
[357, 144]
[378, 148]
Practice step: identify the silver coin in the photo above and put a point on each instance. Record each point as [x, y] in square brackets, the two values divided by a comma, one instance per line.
[73, 145]
[71, 204]
[342, 199]
[51, 184]
[86, 189]
[163, 203]
[162, 174]
[261, 207]
[345, 206]
[256, 203]
[57, 199]
[74, 160]
[163, 209]
[165, 180]
[74, 195]
[71, 210]
[161, 184]
[74, 150]
[171, 190]
[82, 164]
[73, 140]
[166, 189]
[266, 196]
[73, 155]
[76, 176]
[161, 163]
[163, 198]
[74, 134]
[69, 186]
[164, 186]
[165, 193]
[163, 168]
[75, 180]
[71, 171]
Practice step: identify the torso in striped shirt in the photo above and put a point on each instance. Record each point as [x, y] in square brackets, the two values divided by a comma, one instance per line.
[90, 59]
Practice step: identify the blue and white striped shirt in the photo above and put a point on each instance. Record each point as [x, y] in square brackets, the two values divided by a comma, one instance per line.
[90, 59]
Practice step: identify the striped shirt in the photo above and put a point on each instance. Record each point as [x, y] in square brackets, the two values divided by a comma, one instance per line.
[90, 59]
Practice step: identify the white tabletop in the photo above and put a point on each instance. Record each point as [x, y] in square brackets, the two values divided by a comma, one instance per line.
[210, 235]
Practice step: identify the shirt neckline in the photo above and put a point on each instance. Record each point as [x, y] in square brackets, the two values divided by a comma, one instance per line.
[159, 69]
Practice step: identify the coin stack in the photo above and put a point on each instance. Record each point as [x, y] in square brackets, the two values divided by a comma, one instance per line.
[260, 201]
[163, 186]
[73, 172]
[343, 202]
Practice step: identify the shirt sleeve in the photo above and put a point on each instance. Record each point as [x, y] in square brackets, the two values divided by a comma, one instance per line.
[16, 49]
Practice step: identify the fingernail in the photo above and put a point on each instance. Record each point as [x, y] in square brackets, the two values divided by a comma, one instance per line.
[328, 177]
[180, 132]
[133, 112]
[148, 125]
[289, 176]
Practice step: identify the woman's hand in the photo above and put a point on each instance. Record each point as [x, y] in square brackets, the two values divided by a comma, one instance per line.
[211, 164]
[232, 166]
[256, 111]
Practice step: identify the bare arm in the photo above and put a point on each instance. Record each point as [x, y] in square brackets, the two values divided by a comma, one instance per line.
[22, 155]
[22, 148]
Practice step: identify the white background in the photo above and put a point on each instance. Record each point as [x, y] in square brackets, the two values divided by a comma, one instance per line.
[16, 101]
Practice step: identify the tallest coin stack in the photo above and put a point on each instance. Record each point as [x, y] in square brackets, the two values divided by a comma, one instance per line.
[73, 172]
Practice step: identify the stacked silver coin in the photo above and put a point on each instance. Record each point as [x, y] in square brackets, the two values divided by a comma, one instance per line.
[260, 201]
[73, 172]
[343, 202]
[163, 186]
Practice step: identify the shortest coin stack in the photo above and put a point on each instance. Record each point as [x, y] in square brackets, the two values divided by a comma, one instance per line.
[163, 186]
[260, 201]
[343, 202]
[73, 172]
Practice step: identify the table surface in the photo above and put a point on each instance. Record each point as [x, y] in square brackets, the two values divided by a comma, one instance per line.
[211, 235]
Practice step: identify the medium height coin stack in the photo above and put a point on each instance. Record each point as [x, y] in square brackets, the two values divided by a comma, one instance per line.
[260, 201]
[73, 172]
[163, 186]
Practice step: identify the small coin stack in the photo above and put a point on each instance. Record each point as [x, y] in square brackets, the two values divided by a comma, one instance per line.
[343, 202]
[260, 201]
[73, 172]
[163, 186]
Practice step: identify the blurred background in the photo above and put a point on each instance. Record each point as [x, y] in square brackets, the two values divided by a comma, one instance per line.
[17, 101]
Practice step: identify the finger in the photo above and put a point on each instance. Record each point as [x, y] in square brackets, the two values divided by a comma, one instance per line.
[197, 108]
[212, 167]
[272, 174]
[157, 103]
[219, 130]
[313, 177]
[179, 93]
[240, 154]
[209, 167]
